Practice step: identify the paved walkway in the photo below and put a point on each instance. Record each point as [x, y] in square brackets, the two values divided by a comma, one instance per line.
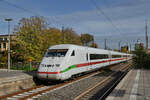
[134, 86]
[10, 74]
[14, 81]
[13, 73]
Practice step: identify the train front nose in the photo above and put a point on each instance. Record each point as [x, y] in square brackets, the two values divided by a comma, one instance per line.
[49, 71]
[50, 65]
[48, 75]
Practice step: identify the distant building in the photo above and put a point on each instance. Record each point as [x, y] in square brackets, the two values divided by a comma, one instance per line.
[139, 44]
[116, 50]
[125, 49]
[4, 41]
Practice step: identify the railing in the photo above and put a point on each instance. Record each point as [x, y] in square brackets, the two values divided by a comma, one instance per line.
[27, 66]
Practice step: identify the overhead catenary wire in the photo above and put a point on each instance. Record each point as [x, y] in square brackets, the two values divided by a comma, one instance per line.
[107, 17]
[19, 7]
[29, 11]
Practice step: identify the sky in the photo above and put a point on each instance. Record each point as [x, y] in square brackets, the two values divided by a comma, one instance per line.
[114, 20]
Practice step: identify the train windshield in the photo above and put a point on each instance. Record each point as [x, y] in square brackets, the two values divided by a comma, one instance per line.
[56, 53]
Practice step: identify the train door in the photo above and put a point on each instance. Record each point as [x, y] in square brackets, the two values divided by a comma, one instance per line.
[72, 60]
[89, 60]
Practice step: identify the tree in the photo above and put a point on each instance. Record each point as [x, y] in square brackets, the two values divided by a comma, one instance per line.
[141, 59]
[29, 38]
[4, 57]
[51, 36]
[34, 37]
[94, 45]
[71, 37]
[87, 39]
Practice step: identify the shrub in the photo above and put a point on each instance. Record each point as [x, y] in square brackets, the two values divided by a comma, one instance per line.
[141, 59]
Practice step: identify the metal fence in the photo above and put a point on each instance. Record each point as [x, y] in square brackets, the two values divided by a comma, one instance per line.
[21, 65]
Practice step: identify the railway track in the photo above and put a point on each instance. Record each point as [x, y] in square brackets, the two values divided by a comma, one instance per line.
[37, 91]
[41, 90]
[102, 89]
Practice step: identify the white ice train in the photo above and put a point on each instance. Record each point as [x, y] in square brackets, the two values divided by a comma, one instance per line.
[63, 61]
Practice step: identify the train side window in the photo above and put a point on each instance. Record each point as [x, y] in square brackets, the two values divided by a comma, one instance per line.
[73, 53]
[116, 56]
[98, 56]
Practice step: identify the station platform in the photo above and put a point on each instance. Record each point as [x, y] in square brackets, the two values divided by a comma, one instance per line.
[134, 86]
[15, 80]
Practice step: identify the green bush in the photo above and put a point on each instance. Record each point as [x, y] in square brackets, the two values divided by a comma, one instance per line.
[29, 68]
[17, 68]
[141, 59]
[25, 68]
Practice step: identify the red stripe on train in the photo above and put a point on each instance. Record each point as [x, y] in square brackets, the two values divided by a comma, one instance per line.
[84, 64]
[49, 72]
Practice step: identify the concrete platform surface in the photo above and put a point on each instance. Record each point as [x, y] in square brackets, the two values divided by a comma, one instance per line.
[134, 86]
[15, 80]
[4, 73]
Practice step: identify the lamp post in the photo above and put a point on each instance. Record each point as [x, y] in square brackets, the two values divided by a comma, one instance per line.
[63, 35]
[105, 44]
[119, 48]
[8, 20]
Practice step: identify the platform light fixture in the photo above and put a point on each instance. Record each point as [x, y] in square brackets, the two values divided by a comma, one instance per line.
[8, 20]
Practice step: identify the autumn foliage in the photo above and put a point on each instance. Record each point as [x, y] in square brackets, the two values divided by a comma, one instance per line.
[34, 36]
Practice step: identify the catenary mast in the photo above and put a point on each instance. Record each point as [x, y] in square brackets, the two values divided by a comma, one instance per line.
[146, 36]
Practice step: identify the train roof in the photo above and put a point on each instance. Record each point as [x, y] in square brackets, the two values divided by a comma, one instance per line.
[68, 46]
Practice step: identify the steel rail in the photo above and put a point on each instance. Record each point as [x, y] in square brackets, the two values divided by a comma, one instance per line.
[63, 84]
[113, 85]
[59, 85]
[51, 88]
[98, 84]
[19, 92]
